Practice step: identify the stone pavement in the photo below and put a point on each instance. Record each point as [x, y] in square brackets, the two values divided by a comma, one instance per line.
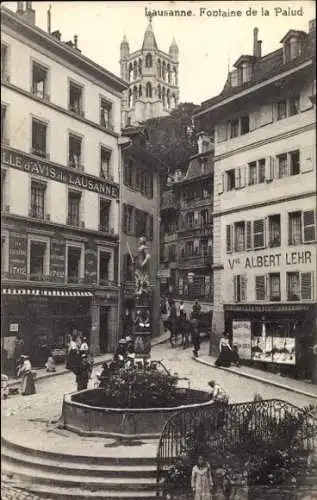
[275, 380]
[9, 492]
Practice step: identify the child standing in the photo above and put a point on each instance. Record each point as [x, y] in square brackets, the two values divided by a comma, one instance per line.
[202, 482]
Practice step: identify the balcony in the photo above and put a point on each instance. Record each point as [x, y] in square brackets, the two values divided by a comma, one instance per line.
[197, 202]
[199, 260]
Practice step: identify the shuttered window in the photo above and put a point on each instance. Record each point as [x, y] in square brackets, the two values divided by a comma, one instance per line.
[258, 233]
[293, 286]
[306, 286]
[309, 226]
[240, 287]
[260, 287]
[248, 235]
[239, 236]
[229, 238]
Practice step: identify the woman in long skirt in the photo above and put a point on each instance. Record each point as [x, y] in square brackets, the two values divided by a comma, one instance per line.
[25, 372]
[202, 482]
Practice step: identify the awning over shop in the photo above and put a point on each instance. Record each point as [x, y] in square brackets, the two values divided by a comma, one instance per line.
[46, 293]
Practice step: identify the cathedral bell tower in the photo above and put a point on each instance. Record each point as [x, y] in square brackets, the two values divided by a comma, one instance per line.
[153, 79]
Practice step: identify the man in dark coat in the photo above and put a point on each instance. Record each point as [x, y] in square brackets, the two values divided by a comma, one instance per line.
[84, 373]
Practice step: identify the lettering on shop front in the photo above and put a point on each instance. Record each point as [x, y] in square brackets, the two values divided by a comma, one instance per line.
[57, 260]
[57, 173]
[272, 260]
[18, 255]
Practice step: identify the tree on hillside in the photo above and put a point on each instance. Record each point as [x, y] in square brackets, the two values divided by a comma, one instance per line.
[171, 138]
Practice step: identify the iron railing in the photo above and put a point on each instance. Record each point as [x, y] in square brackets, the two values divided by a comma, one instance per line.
[233, 427]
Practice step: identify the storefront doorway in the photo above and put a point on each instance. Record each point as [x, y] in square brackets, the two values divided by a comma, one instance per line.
[103, 329]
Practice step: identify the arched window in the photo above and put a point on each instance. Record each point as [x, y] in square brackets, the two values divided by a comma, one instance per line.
[148, 60]
[130, 98]
[163, 70]
[173, 101]
[159, 68]
[130, 71]
[148, 90]
[135, 94]
[159, 92]
[168, 100]
[135, 70]
[140, 67]
[168, 73]
[140, 90]
[164, 96]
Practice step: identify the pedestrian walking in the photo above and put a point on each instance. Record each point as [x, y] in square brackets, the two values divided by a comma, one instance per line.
[202, 482]
[196, 309]
[73, 356]
[84, 373]
[173, 322]
[226, 353]
[25, 372]
[195, 334]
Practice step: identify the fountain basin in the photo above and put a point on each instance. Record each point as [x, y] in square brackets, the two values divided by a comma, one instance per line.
[86, 412]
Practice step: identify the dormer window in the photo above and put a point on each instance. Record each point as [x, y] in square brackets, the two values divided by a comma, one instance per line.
[293, 45]
[246, 72]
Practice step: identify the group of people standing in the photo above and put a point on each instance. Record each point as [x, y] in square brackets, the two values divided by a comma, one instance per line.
[180, 324]
[78, 362]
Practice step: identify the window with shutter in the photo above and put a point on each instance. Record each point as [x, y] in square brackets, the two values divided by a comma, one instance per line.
[260, 287]
[266, 115]
[294, 228]
[229, 238]
[274, 287]
[243, 287]
[248, 241]
[306, 286]
[222, 132]
[269, 169]
[237, 178]
[258, 233]
[309, 226]
[293, 286]
[240, 287]
[239, 236]
[307, 163]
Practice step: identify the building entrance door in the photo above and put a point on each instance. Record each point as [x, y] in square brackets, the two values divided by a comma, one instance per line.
[103, 329]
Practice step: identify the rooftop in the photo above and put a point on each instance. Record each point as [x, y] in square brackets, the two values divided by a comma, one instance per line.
[266, 67]
[66, 50]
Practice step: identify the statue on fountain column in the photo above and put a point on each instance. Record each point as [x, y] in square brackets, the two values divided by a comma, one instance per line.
[142, 272]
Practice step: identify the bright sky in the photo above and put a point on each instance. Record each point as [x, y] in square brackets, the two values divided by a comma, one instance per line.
[206, 43]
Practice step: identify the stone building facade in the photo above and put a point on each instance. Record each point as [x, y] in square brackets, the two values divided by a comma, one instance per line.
[187, 231]
[264, 215]
[153, 79]
[59, 190]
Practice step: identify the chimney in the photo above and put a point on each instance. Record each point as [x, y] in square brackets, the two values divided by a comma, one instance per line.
[57, 34]
[75, 41]
[259, 49]
[49, 20]
[29, 14]
[20, 8]
[255, 41]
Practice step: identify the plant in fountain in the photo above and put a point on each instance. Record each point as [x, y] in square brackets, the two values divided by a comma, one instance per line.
[147, 388]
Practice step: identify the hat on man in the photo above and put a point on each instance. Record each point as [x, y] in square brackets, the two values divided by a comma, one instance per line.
[122, 341]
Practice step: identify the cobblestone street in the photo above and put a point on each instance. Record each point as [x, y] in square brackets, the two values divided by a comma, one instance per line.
[9, 492]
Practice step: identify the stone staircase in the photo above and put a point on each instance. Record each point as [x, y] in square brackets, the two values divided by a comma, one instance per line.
[52, 475]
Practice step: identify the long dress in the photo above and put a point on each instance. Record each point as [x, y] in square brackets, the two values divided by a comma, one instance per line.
[202, 482]
[27, 383]
[225, 354]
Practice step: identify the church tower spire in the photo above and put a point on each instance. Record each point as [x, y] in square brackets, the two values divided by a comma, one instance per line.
[153, 79]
